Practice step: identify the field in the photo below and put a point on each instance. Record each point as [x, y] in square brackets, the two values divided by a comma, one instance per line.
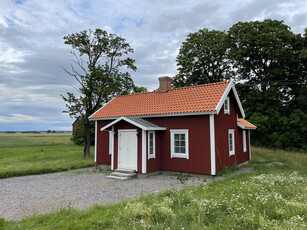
[26, 153]
[268, 197]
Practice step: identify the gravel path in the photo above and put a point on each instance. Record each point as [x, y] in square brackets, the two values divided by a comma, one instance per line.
[24, 196]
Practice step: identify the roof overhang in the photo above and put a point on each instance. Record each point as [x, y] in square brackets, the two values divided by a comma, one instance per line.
[138, 122]
[159, 115]
[242, 126]
[225, 94]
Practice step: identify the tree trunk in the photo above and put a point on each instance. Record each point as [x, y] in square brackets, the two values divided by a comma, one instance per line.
[87, 138]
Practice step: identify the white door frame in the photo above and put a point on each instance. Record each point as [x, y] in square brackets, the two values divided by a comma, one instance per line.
[127, 130]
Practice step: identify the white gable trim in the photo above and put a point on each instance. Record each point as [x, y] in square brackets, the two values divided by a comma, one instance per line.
[94, 119]
[225, 94]
[133, 123]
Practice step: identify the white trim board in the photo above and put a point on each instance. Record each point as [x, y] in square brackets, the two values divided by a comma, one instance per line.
[100, 109]
[212, 145]
[160, 115]
[95, 142]
[144, 159]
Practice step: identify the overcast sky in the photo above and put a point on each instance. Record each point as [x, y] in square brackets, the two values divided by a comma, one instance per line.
[32, 49]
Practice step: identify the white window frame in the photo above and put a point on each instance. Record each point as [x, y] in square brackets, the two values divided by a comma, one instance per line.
[154, 144]
[227, 111]
[173, 153]
[244, 141]
[231, 152]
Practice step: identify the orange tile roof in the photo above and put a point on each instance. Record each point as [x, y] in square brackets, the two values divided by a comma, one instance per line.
[246, 123]
[200, 98]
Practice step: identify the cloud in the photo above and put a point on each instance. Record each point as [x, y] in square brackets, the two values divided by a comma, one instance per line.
[18, 118]
[32, 49]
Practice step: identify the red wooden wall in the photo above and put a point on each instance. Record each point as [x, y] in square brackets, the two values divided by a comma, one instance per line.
[224, 122]
[199, 145]
[103, 156]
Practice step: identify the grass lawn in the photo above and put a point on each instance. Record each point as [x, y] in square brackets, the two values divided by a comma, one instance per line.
[269, 197]
[24, 154]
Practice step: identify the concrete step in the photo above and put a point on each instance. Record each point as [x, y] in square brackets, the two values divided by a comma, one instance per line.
[123, 174]
[125, 170]
[118, 178]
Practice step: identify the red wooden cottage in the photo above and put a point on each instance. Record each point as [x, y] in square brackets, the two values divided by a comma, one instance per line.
[196, 129]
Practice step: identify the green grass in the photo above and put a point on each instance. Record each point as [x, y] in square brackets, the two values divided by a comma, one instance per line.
[269, 197]
[25, 154]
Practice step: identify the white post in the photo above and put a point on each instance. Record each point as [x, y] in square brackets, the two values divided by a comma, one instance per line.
[112, 156]
[144, 170]
[212, 145]
[95, 142]
[249, 145]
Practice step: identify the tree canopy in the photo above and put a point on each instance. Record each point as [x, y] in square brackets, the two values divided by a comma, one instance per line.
[269, 64]
[99, 58]
[203, 59]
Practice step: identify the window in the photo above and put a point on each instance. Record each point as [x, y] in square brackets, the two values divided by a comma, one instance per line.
[151, 144]
[226, 106]
[244, 141]
[231, 142]
[180, 143]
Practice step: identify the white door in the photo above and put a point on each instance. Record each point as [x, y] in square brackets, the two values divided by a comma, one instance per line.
[127, 149]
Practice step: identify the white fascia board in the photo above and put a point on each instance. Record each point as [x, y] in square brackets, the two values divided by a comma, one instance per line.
[163, 115]
[133, 123]
[243, 126]
[94, 119]
[225, 94]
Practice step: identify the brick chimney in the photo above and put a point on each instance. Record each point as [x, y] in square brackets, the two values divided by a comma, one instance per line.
[165, 84]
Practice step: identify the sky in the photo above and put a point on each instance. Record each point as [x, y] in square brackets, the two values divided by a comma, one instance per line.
[32, 49]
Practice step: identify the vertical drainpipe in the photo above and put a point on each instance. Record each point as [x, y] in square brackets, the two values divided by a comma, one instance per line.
[95, 145]
[212, 145]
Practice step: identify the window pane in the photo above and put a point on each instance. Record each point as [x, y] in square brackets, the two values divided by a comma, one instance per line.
[177, 143]
[176, 149]
[182, 137]
[182, 149]
[176, 137]
[230, 142]
[182, 143]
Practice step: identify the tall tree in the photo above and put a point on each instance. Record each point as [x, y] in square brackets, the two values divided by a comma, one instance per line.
[98, 59]
[203, 58]
[269, 60]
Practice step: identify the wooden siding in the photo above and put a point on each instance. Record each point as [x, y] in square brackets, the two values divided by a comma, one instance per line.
[223, 123]
[199, 144]
[103, 156]
[153, 164]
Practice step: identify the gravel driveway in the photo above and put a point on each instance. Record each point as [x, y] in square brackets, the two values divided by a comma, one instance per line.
[24, 196]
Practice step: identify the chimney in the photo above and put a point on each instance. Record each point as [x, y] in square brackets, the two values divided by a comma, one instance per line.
[165, 84]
